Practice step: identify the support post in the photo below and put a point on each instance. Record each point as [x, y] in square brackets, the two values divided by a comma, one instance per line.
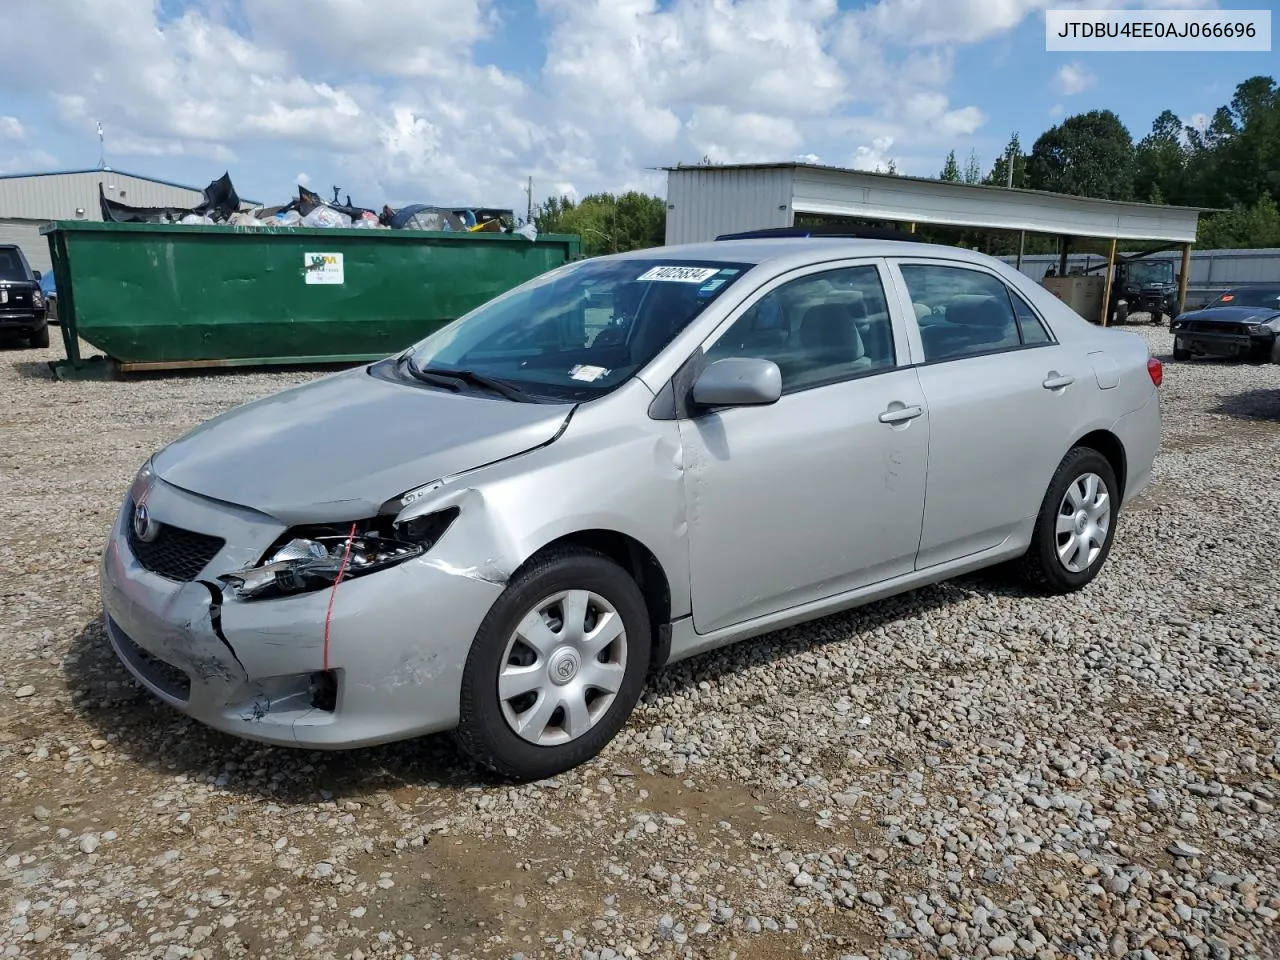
[1065, 243]
[1022, 244]
[913, 227]
[1106, 288]
[1182, 280]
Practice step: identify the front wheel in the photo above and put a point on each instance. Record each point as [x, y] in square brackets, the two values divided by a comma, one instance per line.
[1075, 526]
[556, 668]
[1180, 352]
[1157, 317]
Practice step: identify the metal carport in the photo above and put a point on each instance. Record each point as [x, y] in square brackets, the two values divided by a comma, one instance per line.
[704, 201]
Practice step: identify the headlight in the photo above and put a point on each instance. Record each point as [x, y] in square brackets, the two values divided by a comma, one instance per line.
[142, 482]
[312, 559]
[1261, 328]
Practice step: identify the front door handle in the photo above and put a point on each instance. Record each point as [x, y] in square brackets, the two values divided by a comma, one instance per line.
[901, 414]
[1056, 382]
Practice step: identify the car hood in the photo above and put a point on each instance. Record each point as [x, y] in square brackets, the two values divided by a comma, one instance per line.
[1233, 314]
[337, 448]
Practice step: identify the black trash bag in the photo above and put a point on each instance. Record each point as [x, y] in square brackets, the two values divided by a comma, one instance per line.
[308, 200]
[115, 212]
[220, 202]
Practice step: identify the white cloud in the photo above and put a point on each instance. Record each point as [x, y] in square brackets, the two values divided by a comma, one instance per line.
[874, 157]
[1073, 78]
[392, 98]
[303, 179]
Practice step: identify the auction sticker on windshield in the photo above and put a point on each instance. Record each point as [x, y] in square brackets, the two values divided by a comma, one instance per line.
[680, 274]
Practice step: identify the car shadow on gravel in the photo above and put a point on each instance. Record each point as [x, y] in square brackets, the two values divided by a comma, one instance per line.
[836, 628]
[1261, 405]
[149, 733]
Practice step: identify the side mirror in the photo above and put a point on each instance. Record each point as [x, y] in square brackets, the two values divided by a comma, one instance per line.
[36, 273]
[738, 382]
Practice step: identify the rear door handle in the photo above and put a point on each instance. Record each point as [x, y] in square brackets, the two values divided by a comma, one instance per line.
[901, 414]
[1056, 382]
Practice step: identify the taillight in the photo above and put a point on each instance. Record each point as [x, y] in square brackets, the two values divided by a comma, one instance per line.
[1156, 370]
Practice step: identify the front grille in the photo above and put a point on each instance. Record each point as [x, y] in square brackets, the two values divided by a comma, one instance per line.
[159, 673]
[1209, 326]
[175, 554]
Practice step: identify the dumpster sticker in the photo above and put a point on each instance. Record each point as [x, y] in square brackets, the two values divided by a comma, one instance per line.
[680, 274]
[323, 267]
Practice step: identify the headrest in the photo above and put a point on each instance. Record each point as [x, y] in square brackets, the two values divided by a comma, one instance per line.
[978, 311]
[829, 326]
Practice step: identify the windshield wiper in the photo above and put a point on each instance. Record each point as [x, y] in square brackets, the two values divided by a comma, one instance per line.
[455, 379]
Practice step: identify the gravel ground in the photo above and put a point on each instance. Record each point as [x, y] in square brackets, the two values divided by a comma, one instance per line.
[965, 771]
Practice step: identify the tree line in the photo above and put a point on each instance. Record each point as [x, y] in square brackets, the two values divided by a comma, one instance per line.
[1230, 163]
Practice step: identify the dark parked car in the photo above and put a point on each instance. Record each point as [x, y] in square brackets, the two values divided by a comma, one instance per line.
[50, 292]
[1243, 322]
[22, 307]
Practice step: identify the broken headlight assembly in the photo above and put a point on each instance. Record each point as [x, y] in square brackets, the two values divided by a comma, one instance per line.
[312, 558]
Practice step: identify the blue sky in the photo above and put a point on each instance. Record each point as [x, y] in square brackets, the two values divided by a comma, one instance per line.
[459, 100]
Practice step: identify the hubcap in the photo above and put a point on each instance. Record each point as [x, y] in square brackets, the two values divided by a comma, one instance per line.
[1084, 517]
[562, 667]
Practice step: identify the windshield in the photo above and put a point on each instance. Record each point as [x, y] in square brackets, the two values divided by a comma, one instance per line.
[1157, 272]
[581, 330]
[1265, 297]
[11, 266]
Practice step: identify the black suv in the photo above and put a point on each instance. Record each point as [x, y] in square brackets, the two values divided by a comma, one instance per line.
[22, 307]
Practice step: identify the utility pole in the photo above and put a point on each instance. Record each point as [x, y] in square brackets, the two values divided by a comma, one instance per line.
[1008, 176]
[529, 193]
[102, 148]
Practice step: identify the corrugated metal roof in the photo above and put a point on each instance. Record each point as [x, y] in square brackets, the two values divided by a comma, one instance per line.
[705, 200]
[932, 180]
[117, 172]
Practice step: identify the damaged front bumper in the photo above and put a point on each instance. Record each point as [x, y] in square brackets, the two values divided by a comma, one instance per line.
[398, 638]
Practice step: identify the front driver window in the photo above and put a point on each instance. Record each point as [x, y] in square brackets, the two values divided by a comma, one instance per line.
[819, 329]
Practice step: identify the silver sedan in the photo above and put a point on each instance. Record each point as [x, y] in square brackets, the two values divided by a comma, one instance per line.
[627, 461]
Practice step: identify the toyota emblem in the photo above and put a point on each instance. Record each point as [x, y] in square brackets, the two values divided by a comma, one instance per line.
[143, 528]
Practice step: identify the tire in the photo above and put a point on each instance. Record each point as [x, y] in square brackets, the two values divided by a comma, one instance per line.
[41, 337]
[486, 730]
[1180, 353]
[1121, 315]
[1041, 566]
[1157, 317]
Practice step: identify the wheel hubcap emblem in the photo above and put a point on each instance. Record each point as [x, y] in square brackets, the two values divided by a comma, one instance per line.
[563, 666]
[1082, 522]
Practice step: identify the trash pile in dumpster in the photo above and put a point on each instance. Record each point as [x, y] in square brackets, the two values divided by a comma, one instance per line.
[222, 207]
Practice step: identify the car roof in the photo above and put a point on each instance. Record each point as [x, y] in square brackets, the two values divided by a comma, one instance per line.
[797, 251]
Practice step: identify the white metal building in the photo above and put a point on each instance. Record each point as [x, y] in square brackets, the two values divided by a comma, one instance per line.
[706, 201]
[29, 200]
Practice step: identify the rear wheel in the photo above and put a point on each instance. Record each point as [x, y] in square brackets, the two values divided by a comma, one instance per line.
[1075, 526]
[556, 668]
[41, 337]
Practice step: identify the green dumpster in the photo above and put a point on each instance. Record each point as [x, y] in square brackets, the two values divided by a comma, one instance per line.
[166, 296]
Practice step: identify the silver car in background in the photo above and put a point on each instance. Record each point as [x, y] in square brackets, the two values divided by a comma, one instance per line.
[622, 463]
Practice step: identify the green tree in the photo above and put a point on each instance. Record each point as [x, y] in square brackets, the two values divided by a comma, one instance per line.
[1160, 162]
[1087, 155]
[972, 169]
[1000, 169]
[607, 224]
[1257, 225]
[950, 169]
